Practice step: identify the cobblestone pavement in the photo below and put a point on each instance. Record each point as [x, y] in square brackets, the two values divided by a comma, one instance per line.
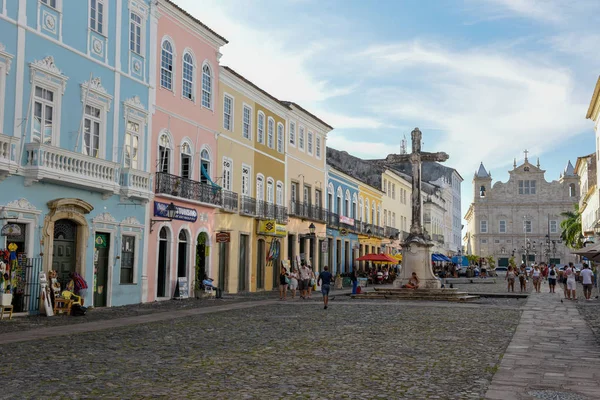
[553, 354]
[499, 287]
[291, 350]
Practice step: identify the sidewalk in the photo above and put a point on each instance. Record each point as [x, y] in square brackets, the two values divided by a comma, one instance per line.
[553, 354]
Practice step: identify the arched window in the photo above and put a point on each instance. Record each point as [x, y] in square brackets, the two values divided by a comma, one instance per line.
[270, 193]
[347, 205]
[330, 197]
[572, 191]
[186, 160]
[166, 65]
[353, 206]
[183, 237]
[188, 77]
[204, 166]
[360, 209]
[270, 132]
[366, 212]
[206, 86]
[164, 153]
[373, 218]
[260, 128]
[279, 194]
[260, 187]
[339, 208]
[280, 137]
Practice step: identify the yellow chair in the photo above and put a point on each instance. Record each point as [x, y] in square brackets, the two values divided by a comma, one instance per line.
[71, 296]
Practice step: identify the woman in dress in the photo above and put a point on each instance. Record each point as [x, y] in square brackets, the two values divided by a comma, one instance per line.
[510, 278]
[294, 282]
[283, 284]
[536, 274]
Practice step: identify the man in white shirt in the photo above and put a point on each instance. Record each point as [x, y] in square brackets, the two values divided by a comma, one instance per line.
[305, 273]
[588, 280]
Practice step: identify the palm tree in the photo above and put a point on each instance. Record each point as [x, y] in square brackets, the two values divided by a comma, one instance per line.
[571, 228]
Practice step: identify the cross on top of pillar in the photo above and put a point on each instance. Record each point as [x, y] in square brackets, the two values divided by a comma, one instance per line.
[525, 154]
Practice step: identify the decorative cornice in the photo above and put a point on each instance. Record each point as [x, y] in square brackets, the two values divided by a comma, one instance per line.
[105, 217]
[8, 57]
[95, 84]
[130, 221]
[22, 204]
[47, 64]
[136, 103]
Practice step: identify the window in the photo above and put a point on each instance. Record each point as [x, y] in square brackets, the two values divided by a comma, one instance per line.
[247, 123]
[393, 191]
[301, 138]
[280, 138]
[270, 197]
[526, 187]
[553, 226]
[260, 128]
[43, 116]
[260, 188]
[51, 3]
[204, 166]
[97, 16]
[132, 139]
[186, 160]
[227, 165]
[166, 65]
[91, 131]
[393, 220]
[483, 226]
[279, 194]
[353, 206]
[188, 77]
[164, 154]
[347, 204]
[385, 218]
[294, 191]
[293, 134]
[502, 226]
[318, 147]
[245, 180]
[309, 144]
[227, 111]
[127, 258]
[527, 226]
[307, 195]
[206, 86]
[318, 197]
[135, 33]
[270, 132]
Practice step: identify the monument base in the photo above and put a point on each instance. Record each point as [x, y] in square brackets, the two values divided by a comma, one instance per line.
[416, 257]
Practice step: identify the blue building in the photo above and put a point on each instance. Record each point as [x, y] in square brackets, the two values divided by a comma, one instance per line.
[342, 238]
[75, 85]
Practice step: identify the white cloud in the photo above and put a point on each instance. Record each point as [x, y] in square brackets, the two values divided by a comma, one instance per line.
[361, 149]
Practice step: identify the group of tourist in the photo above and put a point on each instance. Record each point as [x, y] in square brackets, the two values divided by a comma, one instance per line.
[304, 280]
[566, 276]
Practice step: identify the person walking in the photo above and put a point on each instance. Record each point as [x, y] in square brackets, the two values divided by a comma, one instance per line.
[283, 283]
[571, 282]
[324, 281]
[311, 281]
[294, 282]
[304, 280]
[537, 278]
[552, 278]
[354, 278]
[587, 279]
[523, 278]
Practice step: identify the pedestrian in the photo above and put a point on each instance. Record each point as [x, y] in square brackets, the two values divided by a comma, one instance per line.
[304, 280]
[283, 283]
[552, 278]
[562, 279]
[537, 278]
[354, 278]
[510, 278]
[571, 282]
[311, 281]
[545, 271]
[294, 282]
[587, 280]
[78, 286]
[523, 278]
[324, 281]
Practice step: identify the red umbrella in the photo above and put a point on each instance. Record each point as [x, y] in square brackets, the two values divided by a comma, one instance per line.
[377, 258]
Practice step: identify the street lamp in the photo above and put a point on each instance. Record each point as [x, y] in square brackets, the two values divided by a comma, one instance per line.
[171, 212]
[311, 229]
[527, 249]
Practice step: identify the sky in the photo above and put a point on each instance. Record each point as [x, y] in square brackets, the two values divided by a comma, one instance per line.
[483, 79]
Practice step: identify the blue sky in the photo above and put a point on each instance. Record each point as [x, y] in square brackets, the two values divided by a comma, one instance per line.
[483, 79]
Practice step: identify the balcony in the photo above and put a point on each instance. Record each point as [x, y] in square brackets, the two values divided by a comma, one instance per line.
[68, 168]
[248, 206]
[184, 188]
[263, 210]
[437, 238]
[391, 232]
[307, 211]
[136, 184]
[230, 201]
[8, 155]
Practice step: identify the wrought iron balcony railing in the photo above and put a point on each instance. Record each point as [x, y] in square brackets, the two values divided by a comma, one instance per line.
[307, 211]
[391, 232]
[248, 206]
[188, 189]
[230, 201]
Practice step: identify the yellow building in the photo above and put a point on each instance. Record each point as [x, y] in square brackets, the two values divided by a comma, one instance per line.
[370, 213]
[251, 163]
[397, 190]
[306, 183]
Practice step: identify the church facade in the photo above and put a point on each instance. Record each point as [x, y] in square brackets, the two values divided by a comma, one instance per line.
[520, 218]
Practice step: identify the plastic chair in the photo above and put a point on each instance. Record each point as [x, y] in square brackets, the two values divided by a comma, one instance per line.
[71, 296]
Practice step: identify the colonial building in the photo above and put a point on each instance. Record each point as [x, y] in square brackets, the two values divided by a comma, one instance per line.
[75, 84]
[585, 168]
[397, 189]
[184, 152]
[306, 181]
[521, 217]
[593, 113]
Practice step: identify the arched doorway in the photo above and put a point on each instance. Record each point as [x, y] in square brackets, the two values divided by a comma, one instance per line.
[64, 249]
[182, 255]
[201, 242]
[260, 264]
[163, 262]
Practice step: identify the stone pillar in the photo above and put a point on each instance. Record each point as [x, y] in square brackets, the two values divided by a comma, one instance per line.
[416, 257]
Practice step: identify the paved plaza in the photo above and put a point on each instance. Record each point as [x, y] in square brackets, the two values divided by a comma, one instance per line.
[262, 348]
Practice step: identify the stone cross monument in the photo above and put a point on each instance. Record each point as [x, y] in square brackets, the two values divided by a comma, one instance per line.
[415, 249]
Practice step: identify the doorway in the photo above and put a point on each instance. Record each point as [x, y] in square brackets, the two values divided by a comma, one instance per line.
[260, 263]
[347, 261]
[182, 255]
[223, 262]
[64, 249]
[338, 256]
[163, 262]
[201, 259]
[101, 247]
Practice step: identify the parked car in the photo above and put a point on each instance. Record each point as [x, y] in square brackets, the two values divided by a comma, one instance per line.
[501, 270]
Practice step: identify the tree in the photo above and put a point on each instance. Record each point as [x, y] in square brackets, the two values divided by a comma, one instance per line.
[571, 228]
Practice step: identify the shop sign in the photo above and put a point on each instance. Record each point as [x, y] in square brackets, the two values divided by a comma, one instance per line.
[223, 237]
[271, 228]
[182, 213]
[343, 232]
[11, 230]
[324, 246]
[346, 220]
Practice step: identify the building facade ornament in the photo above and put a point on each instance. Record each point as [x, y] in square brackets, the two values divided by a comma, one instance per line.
[22, 204]
[105, 217]
[130, 221]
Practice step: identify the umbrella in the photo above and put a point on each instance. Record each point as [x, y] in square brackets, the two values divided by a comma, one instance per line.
[377, 258]
[591, 252]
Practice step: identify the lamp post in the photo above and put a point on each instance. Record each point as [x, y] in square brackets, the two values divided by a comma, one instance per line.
[171, 212]
[528, 248]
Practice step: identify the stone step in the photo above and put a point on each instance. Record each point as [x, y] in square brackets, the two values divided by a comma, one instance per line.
[380, 296]
[404, 290]
[421, 292]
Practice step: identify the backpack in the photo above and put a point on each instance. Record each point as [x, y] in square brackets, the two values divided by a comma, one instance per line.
[552, 272]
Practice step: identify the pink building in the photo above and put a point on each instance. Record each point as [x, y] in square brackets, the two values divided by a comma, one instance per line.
[183, 149]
